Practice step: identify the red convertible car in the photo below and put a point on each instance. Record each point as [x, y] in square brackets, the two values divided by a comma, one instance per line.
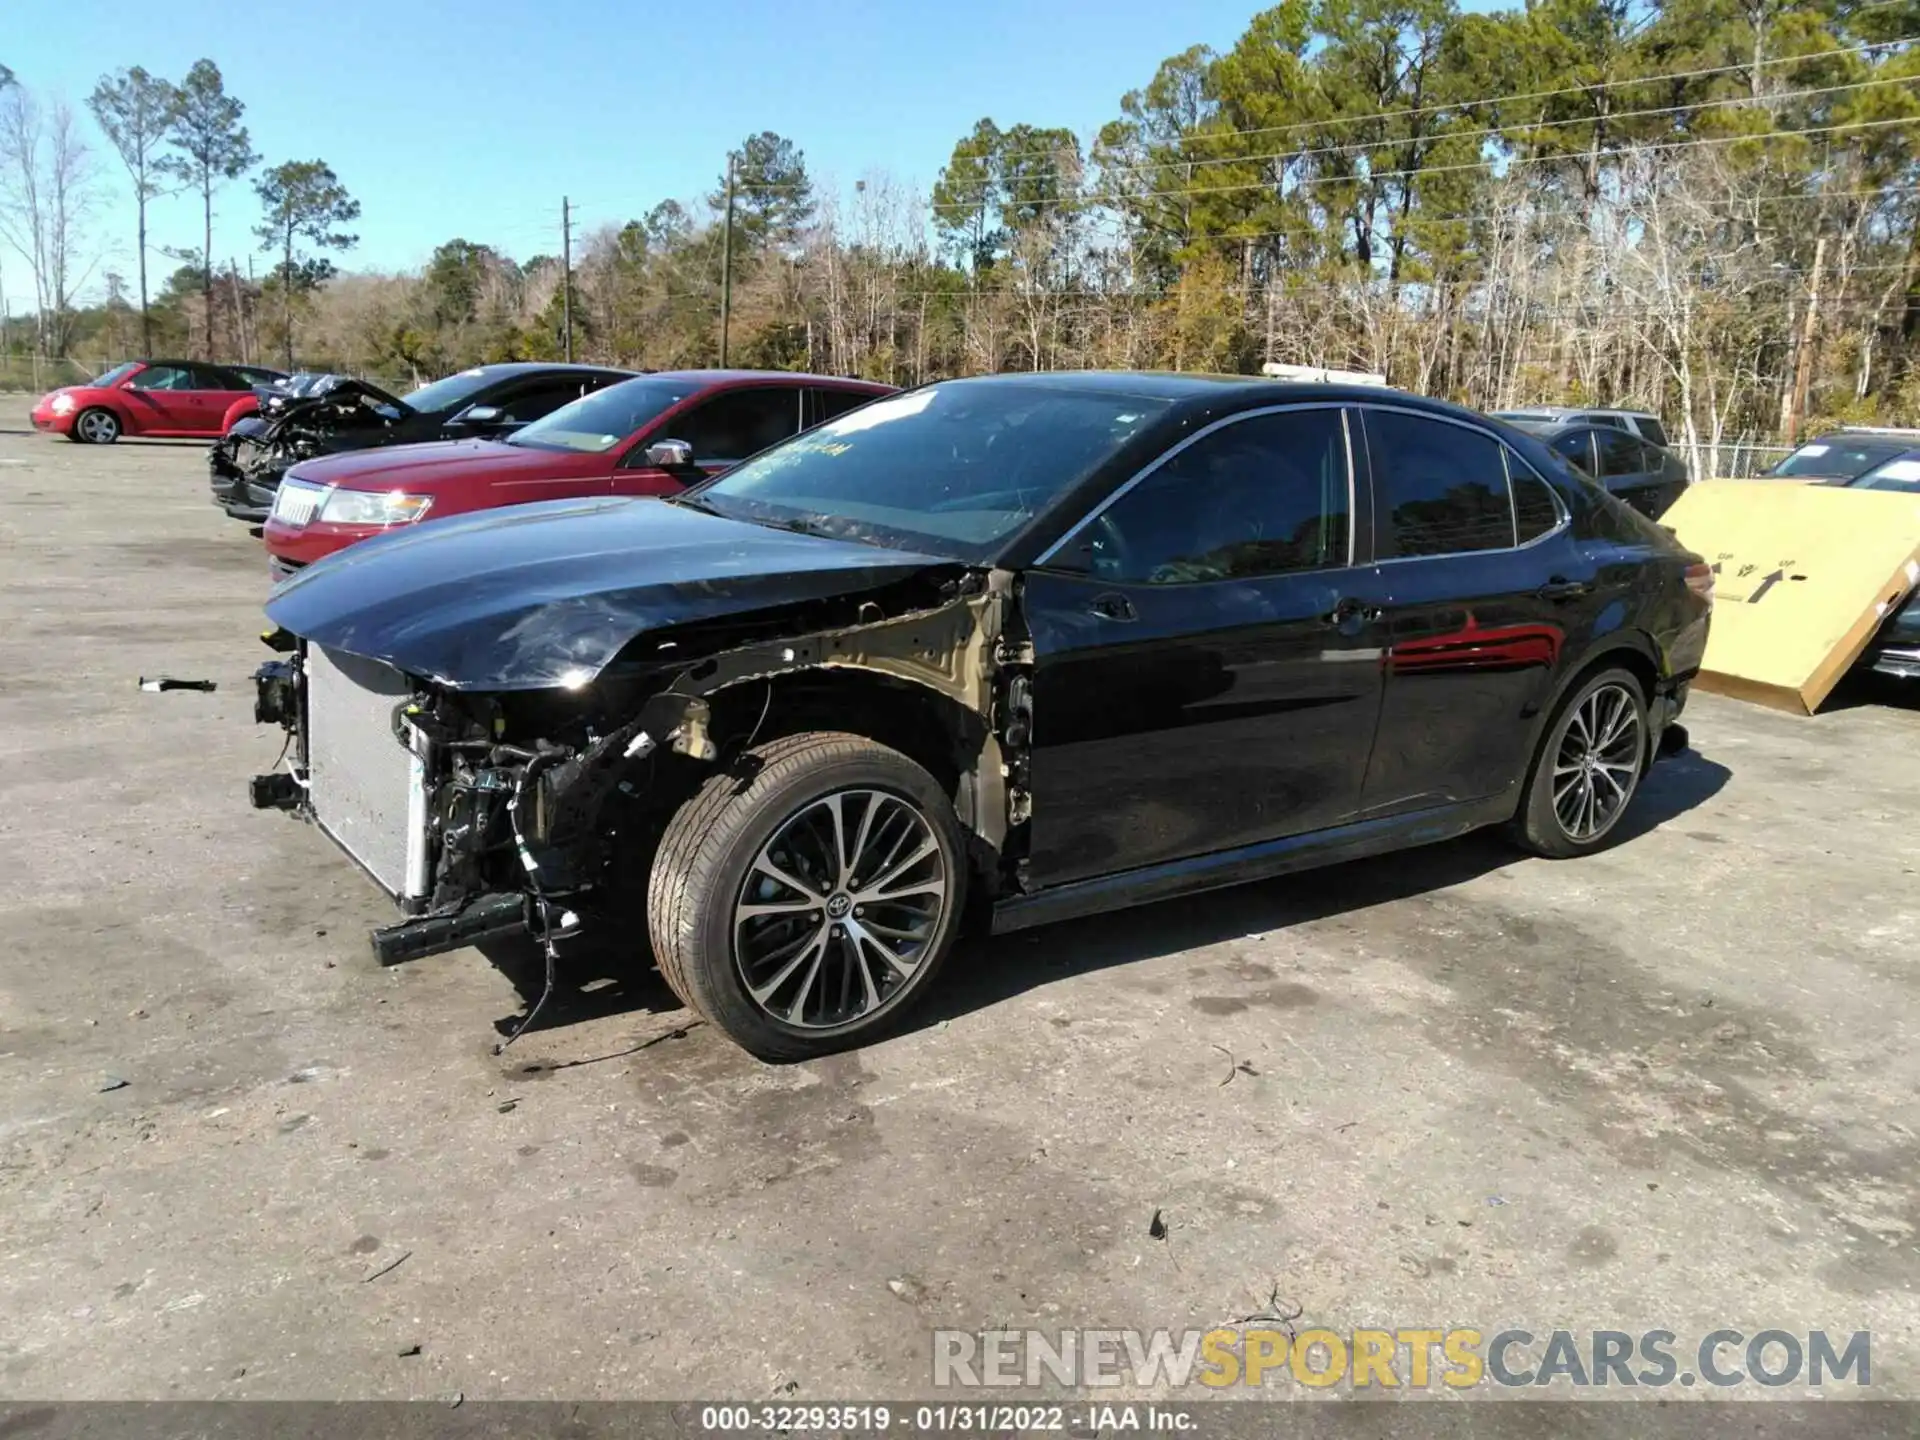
[146, 397]
[652, 435]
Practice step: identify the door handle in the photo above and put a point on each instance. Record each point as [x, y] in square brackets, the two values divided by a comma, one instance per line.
[1113, 606]
[1561, 588]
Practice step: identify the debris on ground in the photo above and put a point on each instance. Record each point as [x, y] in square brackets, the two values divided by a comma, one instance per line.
[408, 1352]
[1235, 1067]
[167, 682]
[389, 1267]
[1275, 1312]
[1157, 1227]
[112, 1082]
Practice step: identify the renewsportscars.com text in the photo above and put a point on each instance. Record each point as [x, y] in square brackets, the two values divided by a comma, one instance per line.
[1455, 1358]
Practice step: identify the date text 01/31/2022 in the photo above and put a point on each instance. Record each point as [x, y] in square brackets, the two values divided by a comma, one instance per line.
[942, 1419]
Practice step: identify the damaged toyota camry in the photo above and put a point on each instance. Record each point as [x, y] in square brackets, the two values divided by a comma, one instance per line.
[1008, 650]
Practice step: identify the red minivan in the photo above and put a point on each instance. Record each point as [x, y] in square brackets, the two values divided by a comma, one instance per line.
[652, 435]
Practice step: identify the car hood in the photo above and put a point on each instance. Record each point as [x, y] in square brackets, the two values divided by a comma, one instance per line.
[531, 597]
[421, 468]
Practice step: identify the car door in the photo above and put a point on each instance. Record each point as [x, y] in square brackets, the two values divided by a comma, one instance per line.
[1485, 592]
[1576, 446]
[722, 429]
[160, 400]
[214, 391]
[1206, 653]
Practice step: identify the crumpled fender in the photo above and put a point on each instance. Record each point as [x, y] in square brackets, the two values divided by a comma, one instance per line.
[534, 597]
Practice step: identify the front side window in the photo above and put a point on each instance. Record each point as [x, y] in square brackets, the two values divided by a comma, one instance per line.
[953, 469]
[1441, 488]
[1620, 454]
[1260, 496]
[162, 377]
[1577, 446]
[738, 423]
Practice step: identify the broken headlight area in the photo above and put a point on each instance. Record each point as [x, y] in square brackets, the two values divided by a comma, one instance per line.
[461, 807]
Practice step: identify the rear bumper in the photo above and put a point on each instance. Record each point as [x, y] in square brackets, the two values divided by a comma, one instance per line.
[1900, 661]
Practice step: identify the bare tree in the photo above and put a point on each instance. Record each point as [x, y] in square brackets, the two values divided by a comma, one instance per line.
[46, 195]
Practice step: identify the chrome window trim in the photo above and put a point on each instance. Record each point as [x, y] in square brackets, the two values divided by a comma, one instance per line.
[1508, 455]
[1126, 487]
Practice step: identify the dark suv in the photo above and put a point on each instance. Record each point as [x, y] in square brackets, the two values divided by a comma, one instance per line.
[1059, 643]
[1647, 476]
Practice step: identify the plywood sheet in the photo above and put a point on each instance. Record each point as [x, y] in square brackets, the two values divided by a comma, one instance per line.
[1803, 576]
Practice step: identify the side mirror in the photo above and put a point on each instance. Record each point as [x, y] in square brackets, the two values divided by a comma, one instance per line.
[670, 455]
[480, 415]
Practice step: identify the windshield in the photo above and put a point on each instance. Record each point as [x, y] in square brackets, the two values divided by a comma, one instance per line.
[952, 469]
[446, 394]
[1840, 455]
[600, 421]
[1901, 474]
[116, 374]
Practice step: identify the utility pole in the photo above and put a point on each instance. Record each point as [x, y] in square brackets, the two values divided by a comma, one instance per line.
[726, 269]
[1803, 359]
[566, 274]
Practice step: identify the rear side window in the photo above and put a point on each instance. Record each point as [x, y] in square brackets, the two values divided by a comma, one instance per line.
[162, 377]
[739, 423]
[1536, 509]
[1440, 488]
[1653, 430]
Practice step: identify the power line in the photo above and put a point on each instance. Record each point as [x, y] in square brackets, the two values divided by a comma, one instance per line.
[1665, 77]
[1094, 198]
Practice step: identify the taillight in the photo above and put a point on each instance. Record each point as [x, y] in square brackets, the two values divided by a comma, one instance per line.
[1700, 581]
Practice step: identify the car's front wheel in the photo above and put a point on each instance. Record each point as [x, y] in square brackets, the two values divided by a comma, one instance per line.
[96, 427]
[803, 899]
[1588, 768]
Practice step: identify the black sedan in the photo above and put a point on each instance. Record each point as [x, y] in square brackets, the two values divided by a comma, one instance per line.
[1058, 643]
[1647, 476]
[336, 413]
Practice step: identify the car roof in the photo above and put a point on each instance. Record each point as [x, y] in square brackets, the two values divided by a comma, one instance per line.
[1189, 392]
[734, 377]
[543, 367]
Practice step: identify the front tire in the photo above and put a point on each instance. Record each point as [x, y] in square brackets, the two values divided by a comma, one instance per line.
[95, 426]
[805, 899]
[1588, 768]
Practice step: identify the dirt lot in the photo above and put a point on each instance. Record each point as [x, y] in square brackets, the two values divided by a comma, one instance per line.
[1673, 1086]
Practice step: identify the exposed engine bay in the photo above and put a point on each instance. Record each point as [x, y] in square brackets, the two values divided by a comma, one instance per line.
[339, 413]
[538, 810]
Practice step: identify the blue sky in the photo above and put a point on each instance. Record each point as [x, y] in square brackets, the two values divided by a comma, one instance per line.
[474, 119]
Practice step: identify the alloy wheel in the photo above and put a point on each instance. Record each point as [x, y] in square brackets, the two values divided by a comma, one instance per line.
[1597, 762]
[839, 909]
[97, 427]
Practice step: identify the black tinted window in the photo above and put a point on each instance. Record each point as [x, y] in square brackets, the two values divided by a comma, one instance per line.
[1441, 488]
[1653, 430]
[739, 423]
[828, 404]
[1535, 510]
[1620, 454]
[532, 402]
[1577, 446]
[1258, 497]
